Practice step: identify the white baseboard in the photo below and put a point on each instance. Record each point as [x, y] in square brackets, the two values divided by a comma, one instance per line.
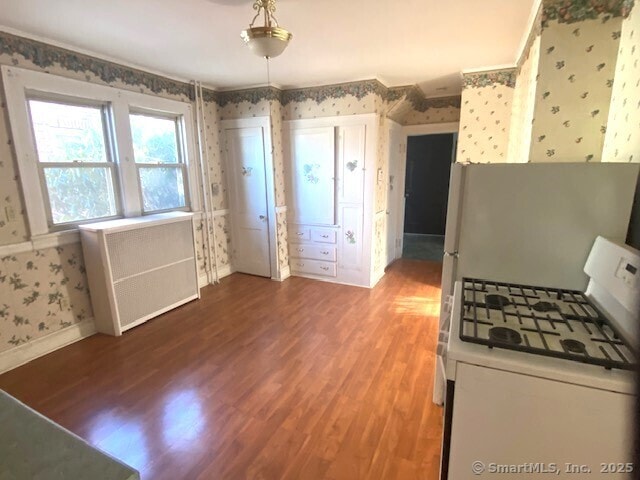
[285, 273]
[223, 271]
[41, 346]
[377, 276]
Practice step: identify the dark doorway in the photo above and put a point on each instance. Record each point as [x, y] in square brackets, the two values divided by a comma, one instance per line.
[429, 159]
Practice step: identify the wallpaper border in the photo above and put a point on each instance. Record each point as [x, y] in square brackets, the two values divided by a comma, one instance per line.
[505, 76]
[44, 55]
[579, 10]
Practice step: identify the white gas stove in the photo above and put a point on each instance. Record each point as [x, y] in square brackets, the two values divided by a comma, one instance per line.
[545, 370]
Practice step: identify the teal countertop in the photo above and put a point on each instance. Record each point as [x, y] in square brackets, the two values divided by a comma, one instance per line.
[32, 447]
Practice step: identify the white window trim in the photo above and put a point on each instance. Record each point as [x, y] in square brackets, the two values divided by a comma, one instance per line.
[19, 83]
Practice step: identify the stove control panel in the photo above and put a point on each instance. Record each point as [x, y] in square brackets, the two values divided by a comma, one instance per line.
[615, 267]
[627, 272]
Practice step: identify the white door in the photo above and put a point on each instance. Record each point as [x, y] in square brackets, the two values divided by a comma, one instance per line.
[312, 175]
[248, 200]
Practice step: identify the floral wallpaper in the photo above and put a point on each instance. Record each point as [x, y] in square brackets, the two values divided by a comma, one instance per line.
[42, 291]
[572, 11]
[489, 78]
[576, 71]
[283, 240]
[380, 242]
[223, 240]
[12, 229]
[382, 164]
[344, 105]
[217, 174]
[485, 116]
[408, 106]
[622, 140]
[433, 115]
[524, 97]
[27, 53]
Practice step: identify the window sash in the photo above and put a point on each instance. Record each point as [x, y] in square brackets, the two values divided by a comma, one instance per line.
[42, 166]
[185, 185]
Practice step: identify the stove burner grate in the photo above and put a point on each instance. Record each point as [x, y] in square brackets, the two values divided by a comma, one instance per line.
[573, 346]
[496, 301]
[543, 321]
[545, 307]
[505, 335]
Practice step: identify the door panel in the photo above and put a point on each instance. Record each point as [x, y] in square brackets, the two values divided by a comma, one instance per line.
[248, 198]
[350, 251]
[312, 176]
[351, 164]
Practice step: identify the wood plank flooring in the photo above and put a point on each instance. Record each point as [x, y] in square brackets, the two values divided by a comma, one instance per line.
[261, 380]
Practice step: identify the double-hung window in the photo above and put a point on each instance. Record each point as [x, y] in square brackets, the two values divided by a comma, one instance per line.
[75, 166]
[89, 152]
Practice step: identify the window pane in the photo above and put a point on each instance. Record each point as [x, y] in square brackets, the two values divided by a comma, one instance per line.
[154, 139]
[68, 133]
[162, 188]
[77, 194]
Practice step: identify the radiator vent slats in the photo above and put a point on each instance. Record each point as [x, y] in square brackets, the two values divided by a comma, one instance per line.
[139, 268]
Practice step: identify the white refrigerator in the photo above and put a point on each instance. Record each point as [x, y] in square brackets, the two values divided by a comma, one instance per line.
[528, 223]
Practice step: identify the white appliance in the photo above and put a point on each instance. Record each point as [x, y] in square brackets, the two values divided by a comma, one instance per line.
[540, 380]
[531, 224]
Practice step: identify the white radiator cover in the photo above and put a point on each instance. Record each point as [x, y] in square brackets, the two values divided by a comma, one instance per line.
[139, 268]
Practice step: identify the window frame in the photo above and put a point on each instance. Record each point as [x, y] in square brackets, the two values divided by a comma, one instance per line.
[181, 156]
[109, 143]
[22, 85]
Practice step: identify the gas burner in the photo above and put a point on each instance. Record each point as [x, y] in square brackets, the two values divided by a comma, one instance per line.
[541, 320]
[496, 301]
[505, 335]
[573, 346]
[545, 307]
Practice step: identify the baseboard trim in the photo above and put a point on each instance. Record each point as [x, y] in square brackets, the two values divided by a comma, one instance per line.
[225, 271]
[285, 273]
[377, 276]
[22, 354]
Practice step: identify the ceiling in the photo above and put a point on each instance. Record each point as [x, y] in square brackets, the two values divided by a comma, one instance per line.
[400, 42]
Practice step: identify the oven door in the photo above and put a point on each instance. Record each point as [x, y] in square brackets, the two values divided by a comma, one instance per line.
[505, 424]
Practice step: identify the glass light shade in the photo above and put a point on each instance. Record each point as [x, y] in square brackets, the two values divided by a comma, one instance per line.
[268, 42]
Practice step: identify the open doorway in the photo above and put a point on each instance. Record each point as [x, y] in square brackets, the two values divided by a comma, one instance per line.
[429, 159]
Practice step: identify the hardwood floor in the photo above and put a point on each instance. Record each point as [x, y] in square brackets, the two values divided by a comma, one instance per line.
[260, 379]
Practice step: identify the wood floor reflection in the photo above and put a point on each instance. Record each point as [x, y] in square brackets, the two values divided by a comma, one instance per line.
[260, 379]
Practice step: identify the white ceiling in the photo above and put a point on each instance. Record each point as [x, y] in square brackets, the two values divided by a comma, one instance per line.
[400, 42]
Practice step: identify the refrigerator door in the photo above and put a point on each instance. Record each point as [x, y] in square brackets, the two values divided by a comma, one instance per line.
[449, 263]
[535, 223]
[454, 204]
[452, 228]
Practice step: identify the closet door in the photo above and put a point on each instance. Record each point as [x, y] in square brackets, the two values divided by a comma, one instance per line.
[312, 176]
[351, 164]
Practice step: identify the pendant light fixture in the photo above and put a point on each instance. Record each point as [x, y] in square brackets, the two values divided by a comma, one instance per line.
[270, 40]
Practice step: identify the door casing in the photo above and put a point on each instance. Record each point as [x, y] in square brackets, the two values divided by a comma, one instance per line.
[265, 124]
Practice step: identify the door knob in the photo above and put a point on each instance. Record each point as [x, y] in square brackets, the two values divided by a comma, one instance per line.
[262, 217]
